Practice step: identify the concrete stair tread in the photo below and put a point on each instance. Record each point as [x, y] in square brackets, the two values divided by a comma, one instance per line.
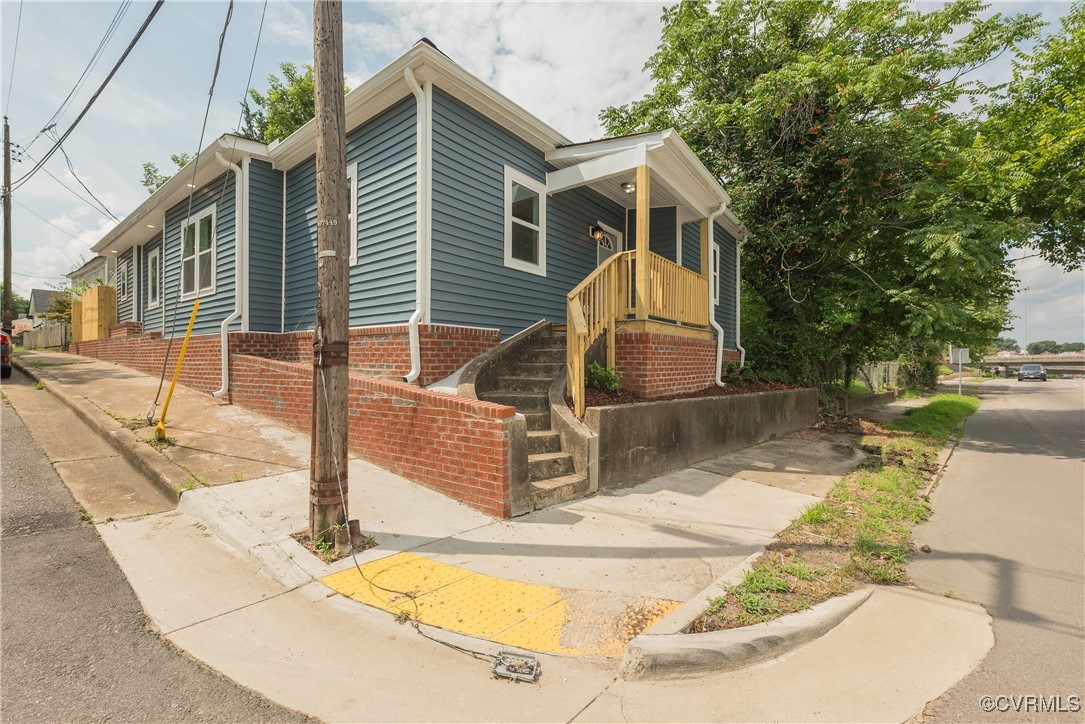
[549, 456]
[560, 481]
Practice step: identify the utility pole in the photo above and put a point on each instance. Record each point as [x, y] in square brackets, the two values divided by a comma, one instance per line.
[328, 464]
[6, 320]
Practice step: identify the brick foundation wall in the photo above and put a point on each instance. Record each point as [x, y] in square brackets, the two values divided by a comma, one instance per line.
[201, 371]
[123, 329]
[457, 446]
[655, 365]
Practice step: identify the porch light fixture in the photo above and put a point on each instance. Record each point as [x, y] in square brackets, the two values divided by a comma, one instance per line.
[629, 187]
[597, 233]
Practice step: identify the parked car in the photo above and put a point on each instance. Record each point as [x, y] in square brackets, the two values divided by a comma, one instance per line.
[1032, 372]
[5, 355]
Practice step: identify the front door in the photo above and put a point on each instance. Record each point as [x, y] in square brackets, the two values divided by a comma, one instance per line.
[609, 245]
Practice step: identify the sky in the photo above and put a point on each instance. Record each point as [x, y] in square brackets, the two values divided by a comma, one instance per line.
[563, 62]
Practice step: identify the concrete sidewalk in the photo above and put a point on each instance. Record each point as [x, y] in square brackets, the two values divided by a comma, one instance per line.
[223, 578]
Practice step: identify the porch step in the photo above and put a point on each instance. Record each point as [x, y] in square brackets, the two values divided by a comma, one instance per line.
[525, 383]
[543, 441]
[539, 369]
[537, 421]
[545, 493]
[549, 465]
[522, 401]
[550, 354]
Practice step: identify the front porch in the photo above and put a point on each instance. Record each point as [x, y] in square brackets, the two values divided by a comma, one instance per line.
[639, 294]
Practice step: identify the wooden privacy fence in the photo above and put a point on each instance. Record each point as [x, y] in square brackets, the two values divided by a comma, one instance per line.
[48, 336]
[608, 295]
[94, 313]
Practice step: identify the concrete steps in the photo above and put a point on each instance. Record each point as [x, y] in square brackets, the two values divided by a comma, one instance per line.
[525, 384]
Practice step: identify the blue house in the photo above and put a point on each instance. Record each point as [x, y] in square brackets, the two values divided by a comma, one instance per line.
[471, 221]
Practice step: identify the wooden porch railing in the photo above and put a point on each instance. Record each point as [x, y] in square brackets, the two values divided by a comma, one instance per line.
[608, 295]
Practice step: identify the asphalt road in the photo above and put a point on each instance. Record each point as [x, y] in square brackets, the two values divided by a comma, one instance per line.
[1008, 532]
[76, 643]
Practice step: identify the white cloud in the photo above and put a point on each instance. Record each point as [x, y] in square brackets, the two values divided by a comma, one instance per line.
[1050, 304]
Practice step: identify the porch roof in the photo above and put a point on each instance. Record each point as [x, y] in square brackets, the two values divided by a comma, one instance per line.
[678, 176]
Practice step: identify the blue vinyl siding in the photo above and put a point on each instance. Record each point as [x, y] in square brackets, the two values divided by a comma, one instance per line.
[691, 246]
[265, 247]
[725, 310]
[470, 283]
[661, 228]
[382, 284]
[213, 307]
[151, 316]
[126, 306]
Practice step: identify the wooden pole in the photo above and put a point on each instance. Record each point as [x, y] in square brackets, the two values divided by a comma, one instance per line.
[5, 320]
[328, 465]
[643, 206]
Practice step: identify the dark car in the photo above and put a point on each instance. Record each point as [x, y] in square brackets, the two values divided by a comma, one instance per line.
[1032, 372]
[5, 355]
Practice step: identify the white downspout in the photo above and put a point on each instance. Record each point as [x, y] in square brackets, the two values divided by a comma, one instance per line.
[241, 256]
[422, 220]
[738, 301]
[711, 304]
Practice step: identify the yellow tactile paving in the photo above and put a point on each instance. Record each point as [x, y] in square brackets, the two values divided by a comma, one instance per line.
[526, 615]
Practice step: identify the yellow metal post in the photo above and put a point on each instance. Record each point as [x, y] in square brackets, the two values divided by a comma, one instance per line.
[160, 429]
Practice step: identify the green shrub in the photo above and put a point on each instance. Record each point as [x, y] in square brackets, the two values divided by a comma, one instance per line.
[603, 378]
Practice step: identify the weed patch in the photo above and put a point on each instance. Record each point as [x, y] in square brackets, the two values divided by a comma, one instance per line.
[861, 533]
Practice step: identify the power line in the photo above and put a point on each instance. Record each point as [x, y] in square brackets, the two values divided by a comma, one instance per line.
[14, 57]
[69, 189]
[58, 228]
[94, 58]
[116, 67]
[71, 169]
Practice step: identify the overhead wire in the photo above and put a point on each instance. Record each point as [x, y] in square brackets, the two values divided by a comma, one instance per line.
[14, 58]
[71, 170]
[63, 231]
[69, 189]
[154, 11]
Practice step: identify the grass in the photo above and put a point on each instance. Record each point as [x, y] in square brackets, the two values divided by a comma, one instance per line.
[860, 534]
[859, 387]
[133, 423]
[39, 385]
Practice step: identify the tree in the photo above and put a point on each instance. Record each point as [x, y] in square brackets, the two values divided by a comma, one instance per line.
[1042, 347]
[20, 306]
[1037, 125]
[1072, 347]
[870, 208]
[152, 179]
[1005, 344]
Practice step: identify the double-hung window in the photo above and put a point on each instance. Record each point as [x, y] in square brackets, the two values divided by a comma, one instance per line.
[154, 278]
[352, 211]
[525, 223]
[122, 280]
[198, 254]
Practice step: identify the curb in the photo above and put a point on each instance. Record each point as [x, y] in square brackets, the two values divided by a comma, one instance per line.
[677, 655]
[943, 461]
[167, 476]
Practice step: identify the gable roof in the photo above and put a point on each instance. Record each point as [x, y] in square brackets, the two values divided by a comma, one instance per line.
[40, 300]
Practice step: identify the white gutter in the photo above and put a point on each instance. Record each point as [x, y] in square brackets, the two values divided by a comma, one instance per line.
[711, 305]
[241, 236]
[738, 300]
[422, 174]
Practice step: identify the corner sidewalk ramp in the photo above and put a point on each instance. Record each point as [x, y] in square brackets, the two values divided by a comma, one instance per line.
[524, 615]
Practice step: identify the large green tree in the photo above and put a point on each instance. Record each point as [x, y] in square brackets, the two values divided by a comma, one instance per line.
[153, 178]
[869, 204]
[1037, 123]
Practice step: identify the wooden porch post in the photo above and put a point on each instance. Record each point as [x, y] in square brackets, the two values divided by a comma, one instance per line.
[643, 205]
[706, 238]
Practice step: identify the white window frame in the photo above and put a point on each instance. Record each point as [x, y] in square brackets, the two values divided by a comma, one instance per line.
[123, 284]
[153, 256]
[352, 211]
[514, 176]
[714, 272]
[198, 291]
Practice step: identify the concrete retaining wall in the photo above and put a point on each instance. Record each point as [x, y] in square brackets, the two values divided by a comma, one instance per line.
[637, 442]
[866, 402]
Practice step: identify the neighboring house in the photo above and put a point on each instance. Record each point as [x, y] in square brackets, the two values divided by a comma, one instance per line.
[40, 301]
[99, 270]
[470, 220]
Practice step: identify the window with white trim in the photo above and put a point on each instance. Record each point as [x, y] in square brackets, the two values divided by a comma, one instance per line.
[198, 254]
[122, 280]
[714, 271]
[352, 211]
[154, 278]
[525, 223]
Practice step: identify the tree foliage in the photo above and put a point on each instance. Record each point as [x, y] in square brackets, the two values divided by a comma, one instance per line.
[1037, 126]
[20, 305]
[874, 216]
[287, 106]
[153, 179]
[1006, 344]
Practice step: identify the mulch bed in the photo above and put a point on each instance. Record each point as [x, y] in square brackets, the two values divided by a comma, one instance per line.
[601, 398]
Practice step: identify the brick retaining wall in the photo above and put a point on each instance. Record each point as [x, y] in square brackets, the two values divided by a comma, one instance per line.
[653, 364]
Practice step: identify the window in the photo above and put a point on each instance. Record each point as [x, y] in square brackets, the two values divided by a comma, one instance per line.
[154, 278]
[198, 254]
[352, 211]
[714, 272]
[122, 280]
[525, 223]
